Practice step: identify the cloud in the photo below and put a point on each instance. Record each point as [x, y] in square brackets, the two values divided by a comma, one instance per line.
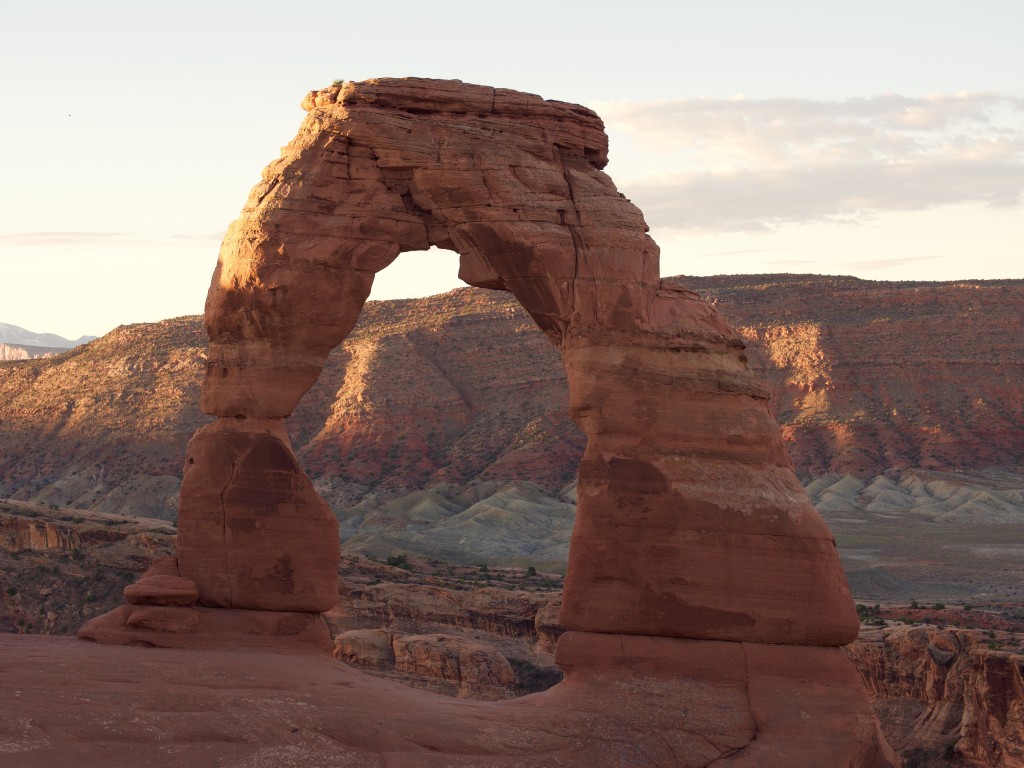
[743, 164]
[890, 263]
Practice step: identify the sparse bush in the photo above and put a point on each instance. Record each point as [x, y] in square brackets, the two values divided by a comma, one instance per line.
[531, 571]
[938, 606]
[398, 561]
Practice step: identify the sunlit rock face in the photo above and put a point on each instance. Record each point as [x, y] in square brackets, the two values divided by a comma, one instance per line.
[698, 569]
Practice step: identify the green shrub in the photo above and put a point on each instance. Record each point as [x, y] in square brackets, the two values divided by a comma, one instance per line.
[398, 561]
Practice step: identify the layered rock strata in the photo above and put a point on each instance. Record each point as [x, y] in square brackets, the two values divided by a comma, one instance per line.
[944, 690]
[696, 556]
[447, 664]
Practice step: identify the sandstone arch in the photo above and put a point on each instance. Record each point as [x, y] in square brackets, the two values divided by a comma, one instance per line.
[701, 580]
[690, 523]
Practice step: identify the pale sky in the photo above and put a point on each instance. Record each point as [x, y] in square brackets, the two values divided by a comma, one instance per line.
[878, 139]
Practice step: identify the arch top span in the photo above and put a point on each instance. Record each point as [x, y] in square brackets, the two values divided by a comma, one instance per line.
[510, 181]
[691, 522]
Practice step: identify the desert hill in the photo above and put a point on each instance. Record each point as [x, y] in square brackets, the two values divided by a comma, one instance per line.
[868, 376]
[16, 336]
[441, 425]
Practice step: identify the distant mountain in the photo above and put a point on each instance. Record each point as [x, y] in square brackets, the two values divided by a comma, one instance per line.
[13, 335]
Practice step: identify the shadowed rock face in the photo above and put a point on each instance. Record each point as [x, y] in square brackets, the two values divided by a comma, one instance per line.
[697, 564]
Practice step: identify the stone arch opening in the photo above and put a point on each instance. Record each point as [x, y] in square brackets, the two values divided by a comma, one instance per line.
[415, 274]
[684, 467]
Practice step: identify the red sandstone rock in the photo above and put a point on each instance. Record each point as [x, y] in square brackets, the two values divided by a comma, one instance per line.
[471, 668]
[438, 662]
[252, 532]
[699, 529]
[209, 628]
[497, 611]
[163, 566]
[365, 648]
[162, 590]
[678, 703]
[936, 688]
[175, 620]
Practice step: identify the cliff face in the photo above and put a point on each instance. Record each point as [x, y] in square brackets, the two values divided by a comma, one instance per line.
[869, 376]
[458, 388]
[946, 691]
[59, 568]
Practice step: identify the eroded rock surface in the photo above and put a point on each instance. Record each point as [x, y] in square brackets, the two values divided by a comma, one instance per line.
[441, 663]
[698, 568]
[940, 690]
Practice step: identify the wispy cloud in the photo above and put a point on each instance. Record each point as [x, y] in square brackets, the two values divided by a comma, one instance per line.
[890, 263]
[744, 164]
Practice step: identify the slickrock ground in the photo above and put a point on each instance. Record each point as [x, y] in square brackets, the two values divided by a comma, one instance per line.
[72, 703]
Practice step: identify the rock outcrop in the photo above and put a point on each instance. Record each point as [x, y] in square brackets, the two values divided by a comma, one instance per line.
[945, 691]
[444, 664]
[697, 564]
